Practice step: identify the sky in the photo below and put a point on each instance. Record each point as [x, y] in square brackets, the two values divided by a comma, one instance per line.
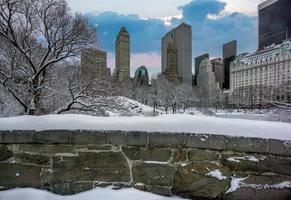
[214, 22]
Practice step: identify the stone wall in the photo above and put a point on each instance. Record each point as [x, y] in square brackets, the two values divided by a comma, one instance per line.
[69, 162]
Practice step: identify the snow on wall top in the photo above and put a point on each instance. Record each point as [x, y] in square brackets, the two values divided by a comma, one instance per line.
[163, 123]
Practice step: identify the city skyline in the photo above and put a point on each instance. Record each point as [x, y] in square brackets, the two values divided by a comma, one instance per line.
[222, 21]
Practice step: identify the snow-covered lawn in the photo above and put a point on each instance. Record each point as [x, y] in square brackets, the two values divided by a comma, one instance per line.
[162, 123]
[95, 194]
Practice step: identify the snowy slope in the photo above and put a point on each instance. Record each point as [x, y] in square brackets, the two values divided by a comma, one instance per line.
[96, 194]
[132, 108]
[162, 123]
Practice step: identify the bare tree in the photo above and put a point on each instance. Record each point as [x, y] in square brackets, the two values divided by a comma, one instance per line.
[34, 36]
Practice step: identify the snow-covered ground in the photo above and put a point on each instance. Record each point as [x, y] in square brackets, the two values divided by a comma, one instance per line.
[132, 108]
[95, 194]
[163, 123]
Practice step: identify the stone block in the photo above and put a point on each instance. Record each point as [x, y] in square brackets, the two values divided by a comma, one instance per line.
[92, 166]
[179, 155]
[279, 165]
[89, 137]
[246, 162]
[153, 174]
[18, 137]
[5, 153]
[117, 138]
[204, 188]
[137, 138]
[203, 155]
[279, 147]
[166, 139]
[204, 141]
[19, 175]
[77, 187]
[155, 154]
[37, 159]
[53, 137]
[241, 144]
[254, 194]
[45, 149]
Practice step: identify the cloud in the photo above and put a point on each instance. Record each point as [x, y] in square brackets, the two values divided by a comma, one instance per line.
[211, 29]
[145, 33]
[213, 24]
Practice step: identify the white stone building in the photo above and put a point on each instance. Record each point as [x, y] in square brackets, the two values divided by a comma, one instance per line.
[262, 77]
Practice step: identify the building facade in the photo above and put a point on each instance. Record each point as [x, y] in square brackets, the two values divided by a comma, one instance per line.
[229, 54]
[182, 37]
[198, 61]
[274, 22]
[218, 69]
[171, 71]
[122, 55]
[263, 77]
[93, 64]
[207, 84]
[141, 77]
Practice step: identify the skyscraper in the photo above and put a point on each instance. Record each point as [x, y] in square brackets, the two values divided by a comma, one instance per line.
[217, 68]
[274, 22]
[198, 61]
[182, 37]
[229, 54]
[122, 55]
[93, 64]
[171, 72]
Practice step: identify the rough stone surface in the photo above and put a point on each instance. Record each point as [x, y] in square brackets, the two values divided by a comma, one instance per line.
[180, 155]
[19, 175]
[32, 158]
[166, 140]
[154, 154]
[90, 166]
[202, 155]
[263, 194]
[153, 174]
[279, 147]
[5, 153]
[69, 162]
[18, 137]
[205, 141]
[241, 144]
[53, 137]
[191, 180]
[89, 137]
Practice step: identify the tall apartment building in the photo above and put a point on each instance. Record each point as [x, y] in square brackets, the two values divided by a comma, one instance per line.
[93, 64]
[182, 37]
[229, 54]
[262, 77]
[122, 55]
[274, 22]
[218, 69]
[198, 61]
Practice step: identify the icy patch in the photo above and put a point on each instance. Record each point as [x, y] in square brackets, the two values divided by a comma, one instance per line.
[248, 158]
[217, 174]
[155, 162]
[235, 184]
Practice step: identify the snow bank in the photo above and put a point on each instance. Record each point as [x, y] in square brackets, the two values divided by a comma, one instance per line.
[98, 193]
[162, 123]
